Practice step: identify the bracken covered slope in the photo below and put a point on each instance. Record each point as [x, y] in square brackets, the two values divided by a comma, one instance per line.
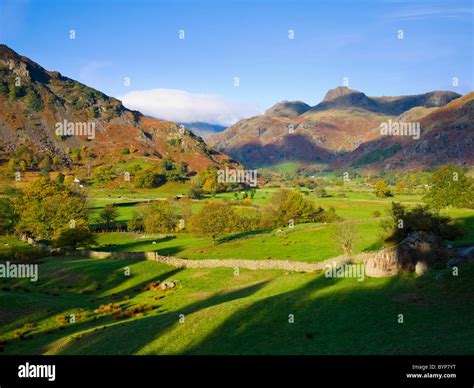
[447, 136]
[325, 133]
[33, 101]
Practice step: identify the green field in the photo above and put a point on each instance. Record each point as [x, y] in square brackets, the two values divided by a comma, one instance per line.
[120, 194]
[290, 167]
[305, 243]
[227, 314]
[309, 243]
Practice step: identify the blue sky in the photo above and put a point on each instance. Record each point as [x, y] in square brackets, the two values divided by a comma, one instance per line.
[194, 77]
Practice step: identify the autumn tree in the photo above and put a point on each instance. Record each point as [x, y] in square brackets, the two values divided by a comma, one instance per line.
[135, 223]
[450, 186]
[149, 178]
[174, 171]
[208, 181]
[45, 206]
[74, 235]
[195, 192]
[290, 206]
[215, 219]
[104, 173]
[381, 189]
[160, 218]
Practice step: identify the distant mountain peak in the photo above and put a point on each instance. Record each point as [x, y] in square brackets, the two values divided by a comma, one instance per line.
[345, 120]
[288, 109]
[337, 92]
[345, 98]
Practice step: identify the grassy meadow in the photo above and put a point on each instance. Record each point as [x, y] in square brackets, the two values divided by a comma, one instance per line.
[212, 311]
[305, 242]
[91, 306]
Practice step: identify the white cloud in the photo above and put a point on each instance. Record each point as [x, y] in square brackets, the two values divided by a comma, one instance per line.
[185, 107]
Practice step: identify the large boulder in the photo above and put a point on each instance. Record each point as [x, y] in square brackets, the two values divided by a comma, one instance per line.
[418, 247]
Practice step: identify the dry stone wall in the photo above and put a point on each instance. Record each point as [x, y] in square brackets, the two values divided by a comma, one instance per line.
[419, 250]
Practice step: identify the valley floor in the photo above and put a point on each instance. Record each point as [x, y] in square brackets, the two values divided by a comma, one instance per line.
[90, 306]
[212, 311]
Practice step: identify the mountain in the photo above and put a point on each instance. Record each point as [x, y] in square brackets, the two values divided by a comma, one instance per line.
[289, 109]
[344, 120]
[447, 136]
[35, 104]
[342, 97]
[204, 130]
[338, 92]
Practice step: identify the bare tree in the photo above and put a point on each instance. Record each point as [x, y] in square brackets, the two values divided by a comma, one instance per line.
[345, 234]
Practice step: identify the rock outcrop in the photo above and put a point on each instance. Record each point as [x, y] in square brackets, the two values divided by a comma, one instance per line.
[418, 251]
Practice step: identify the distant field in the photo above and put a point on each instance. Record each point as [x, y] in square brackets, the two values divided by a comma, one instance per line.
[290, 167]
[310, 244]
[361, 194]
[125, 210]
[358, 204]
[227, 314]
[261, 198]
[166, 191]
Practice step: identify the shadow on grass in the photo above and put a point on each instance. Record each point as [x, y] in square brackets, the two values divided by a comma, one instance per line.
[82, 280]
[148, 328]
[82, 273]
[331, 316]
[120, 204]
[132, 246]
[376, 246]
[61, 304]
[353, 319]
[467, 224]
[107, 297]
[237, 236]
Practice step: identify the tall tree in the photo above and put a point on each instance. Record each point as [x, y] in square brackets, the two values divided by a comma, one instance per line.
[73, 236]
[381, 189]
[450, 186]
[215, 219]
[108, 215]
[160, 218]
[8, 216]
[45, 206]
